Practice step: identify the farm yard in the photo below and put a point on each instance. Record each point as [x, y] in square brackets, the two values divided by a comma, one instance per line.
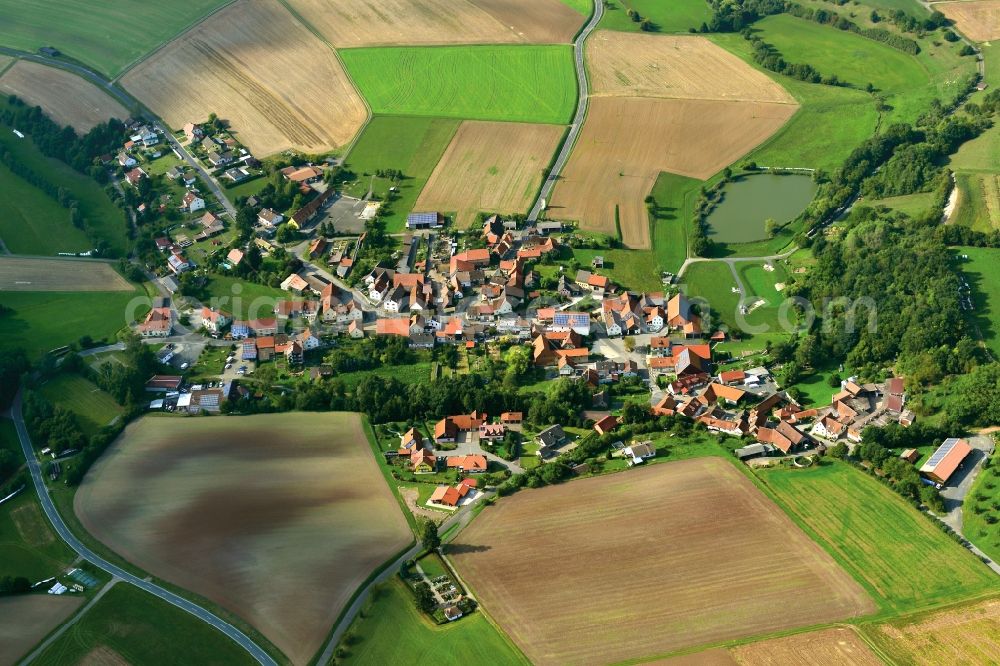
[964, 634]
[353, 23]
[840, 645]
[275, 82]
[31, 274]
[627, 142]
[412, 145]
[277, 518]
[106, 36]
[979, 20]
[129, 626]
[567, 613]
[28, 618]
[66, 98]
[534, 84]
[911, 565]
[489, 166]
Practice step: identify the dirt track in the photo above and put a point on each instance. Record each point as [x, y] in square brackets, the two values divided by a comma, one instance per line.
[646, 562]
[277, 518]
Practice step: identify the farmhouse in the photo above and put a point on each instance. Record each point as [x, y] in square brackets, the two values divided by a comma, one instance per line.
[423, 461]
[269, 218]
[134, 176]
[410, 441]
[158, 324]
[192, 202]
[638, 452]
[177, 263]
[606, 425]
[946, 460]
[452, 495]
[214, 320]
[549, 440]
[474, 464]
[448, 428]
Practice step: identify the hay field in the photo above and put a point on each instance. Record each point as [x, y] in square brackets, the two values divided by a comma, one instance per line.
[969, 635]
[681, 67]
[647, 562]
[351, 23]
[66, 98]
[30, 274]
[27, 620]
[261, 70]
[979, 20]
[839, 645]
[627, 142]
[490, 167]
[277, 518]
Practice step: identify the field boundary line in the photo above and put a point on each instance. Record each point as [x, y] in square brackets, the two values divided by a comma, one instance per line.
[167, 42]
[6, 68]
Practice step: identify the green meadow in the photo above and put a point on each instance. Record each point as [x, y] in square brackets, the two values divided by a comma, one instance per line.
[982, 270]
[33, 222]
[93, 407]
[516, 83]
[28, 546]
[666, 17]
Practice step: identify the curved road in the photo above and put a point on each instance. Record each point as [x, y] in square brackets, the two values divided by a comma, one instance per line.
[581, 111]
[60, 527]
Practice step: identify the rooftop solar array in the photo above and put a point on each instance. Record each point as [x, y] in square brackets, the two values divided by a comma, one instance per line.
[942, 451]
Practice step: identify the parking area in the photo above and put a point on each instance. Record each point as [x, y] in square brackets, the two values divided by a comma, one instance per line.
[344, 213]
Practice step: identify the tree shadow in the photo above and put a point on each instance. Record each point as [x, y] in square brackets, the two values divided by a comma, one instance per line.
[460, 548]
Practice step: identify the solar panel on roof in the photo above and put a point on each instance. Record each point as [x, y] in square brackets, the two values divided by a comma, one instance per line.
[942, 451]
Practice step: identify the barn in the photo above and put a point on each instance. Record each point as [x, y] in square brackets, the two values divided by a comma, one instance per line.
[946, 460]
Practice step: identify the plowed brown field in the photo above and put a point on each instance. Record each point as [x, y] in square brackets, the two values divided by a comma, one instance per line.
[66, 98]
[647, 562]
[968, 636]
[277, 518]
[626, 142]
[27, 619]
[261, 70]
[490, 167]
[979, 20]
[347, 23]
[680, 67]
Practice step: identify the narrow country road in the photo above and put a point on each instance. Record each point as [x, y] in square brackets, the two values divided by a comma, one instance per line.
[93, 558]
[209, 180]
[581, 111]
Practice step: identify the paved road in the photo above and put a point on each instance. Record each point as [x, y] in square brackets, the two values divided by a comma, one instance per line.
[41, 647]
[83, 551]
[213, 184]
[581, 111]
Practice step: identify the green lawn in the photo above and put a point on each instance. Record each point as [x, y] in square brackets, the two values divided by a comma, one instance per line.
[415, 373]
[713, 281]
[982, 270]
[675, 197]
[390, 630]
[105, 35]
[901, 557]
[673, 16]
[44, 320]
[93, 407]
[104, 217]
[141, 629]
[432, 565]
[982, 505]
[242, 299]
[635, 269]
[410, 144]
[28, 546]
[520, 83]
[816, 390]
[901, 77]
[32, 220]
[761, 284]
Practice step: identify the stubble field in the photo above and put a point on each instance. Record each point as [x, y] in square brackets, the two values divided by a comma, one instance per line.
[27, 619]
[67, 99]
[30, 274]
[645, 563]
[965, 635]
[979, 20]
[350, 23]
[839, 645]
[261, 70]
[490, 167]
[276, 518]
[626, 142]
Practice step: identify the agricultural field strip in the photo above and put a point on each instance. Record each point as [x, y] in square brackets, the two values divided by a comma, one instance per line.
[979, 20]
[66, 98]
[37, 274]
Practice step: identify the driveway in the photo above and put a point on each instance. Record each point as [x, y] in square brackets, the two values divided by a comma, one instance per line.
[468, 445]
[961, 482]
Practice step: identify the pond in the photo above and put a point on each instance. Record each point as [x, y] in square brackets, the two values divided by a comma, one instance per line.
[751, 200]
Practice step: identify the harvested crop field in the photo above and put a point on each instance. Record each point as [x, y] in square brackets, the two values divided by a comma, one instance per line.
[66, 98]
[840, 645]
[261, 70]
[969, 635]
[29, 274]
[490, 166]
[979, 20]
[27, 620]
[277, 518]
[681, 67]
[627, 142]
[688, 552]
[350, 23]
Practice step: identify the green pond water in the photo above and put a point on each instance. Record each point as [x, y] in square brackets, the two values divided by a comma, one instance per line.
[748, 202]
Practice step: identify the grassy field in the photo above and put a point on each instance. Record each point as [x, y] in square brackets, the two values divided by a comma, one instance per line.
[982, 505]
[242, 299]
[901, 557]
[520, 83]
[713, 281]
[585, 7]
[910, 204]
[982, 270]
[106, 219]
[414, 373]
[390, 630]
[42, 321]
[675, 197]
[410, 144]
[676, 16]
[106, 36]
[634, 269]
[28, 546]
[33, 223]
[93, 407]
[980, 154]
[128, 625]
